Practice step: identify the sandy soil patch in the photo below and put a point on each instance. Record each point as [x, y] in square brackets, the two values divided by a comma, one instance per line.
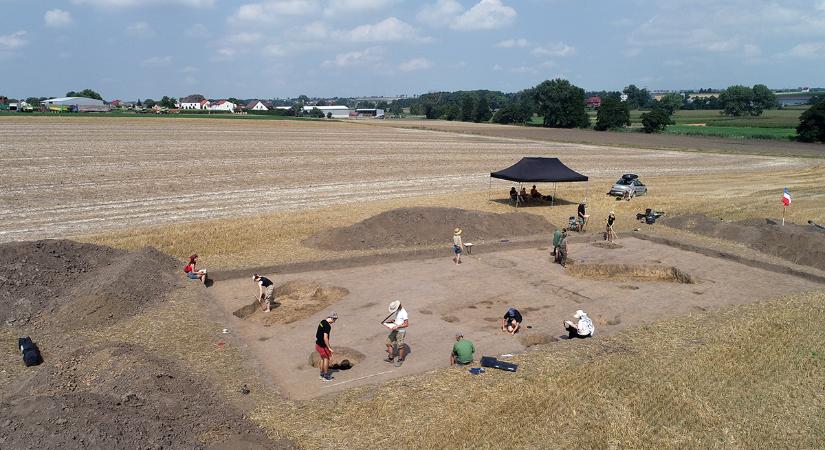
[294, 300]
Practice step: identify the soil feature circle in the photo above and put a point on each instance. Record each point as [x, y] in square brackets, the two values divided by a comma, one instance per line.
[294, 300]
[341, 354]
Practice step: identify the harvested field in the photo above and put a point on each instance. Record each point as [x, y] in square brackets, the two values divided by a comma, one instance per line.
[800, 244]
[65, 177]
[410, 227]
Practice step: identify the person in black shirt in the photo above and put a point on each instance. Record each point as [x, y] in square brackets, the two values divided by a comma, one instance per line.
[267, 291]
[511, 321]
[610, 234]
[322, 345]
[582, 216]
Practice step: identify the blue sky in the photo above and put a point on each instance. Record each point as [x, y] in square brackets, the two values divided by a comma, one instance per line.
[282, 48]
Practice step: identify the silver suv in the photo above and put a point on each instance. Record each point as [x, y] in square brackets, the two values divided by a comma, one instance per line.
[629, 183]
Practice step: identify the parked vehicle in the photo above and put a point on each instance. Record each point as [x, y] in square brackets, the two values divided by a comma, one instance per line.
[629, 183]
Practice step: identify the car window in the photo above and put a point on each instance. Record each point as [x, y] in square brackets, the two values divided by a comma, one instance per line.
[623, 182]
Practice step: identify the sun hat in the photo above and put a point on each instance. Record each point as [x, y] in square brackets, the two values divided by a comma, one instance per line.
[332, 315]
[457, 231]
[579, 314]
[394, 305]
[459, 334]
[612, 213]
[255, 277]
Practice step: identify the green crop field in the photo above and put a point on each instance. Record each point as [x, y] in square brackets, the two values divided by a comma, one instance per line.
[749, 132]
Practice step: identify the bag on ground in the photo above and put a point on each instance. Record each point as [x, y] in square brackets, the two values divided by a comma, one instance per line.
[31, 354]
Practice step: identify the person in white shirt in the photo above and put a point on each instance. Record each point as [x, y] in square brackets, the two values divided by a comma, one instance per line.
[398, 332]
[582, 329]
[458, 245]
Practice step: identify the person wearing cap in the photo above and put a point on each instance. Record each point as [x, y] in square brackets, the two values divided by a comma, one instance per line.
[556, 241]
[458, 245]
[192, 272]
[582, 215]
[583, 328]
[267, 291]
[322, 345]
[462, 350]
[511, 322]
[398, 332]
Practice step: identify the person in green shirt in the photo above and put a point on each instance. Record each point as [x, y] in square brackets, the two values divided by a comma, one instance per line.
[556, 240]
[462, 350]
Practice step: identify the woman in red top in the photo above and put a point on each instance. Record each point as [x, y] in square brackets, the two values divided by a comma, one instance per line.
[192, 272]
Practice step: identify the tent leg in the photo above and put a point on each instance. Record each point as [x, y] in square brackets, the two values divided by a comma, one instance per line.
[490, 190]
[553, 201]
[586, 190]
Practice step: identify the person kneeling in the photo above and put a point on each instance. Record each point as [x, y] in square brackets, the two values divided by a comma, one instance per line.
[581, 329]
[463, 351]
[511, 322]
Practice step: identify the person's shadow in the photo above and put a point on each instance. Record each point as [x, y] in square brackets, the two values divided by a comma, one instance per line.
[209, 282]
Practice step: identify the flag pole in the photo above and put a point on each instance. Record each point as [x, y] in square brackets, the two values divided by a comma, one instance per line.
[783, 215]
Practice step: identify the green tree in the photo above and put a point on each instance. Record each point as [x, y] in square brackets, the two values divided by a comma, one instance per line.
[561, 104]
[637, 98]
[672, 102]
[482, 111]
[317, 113]
[395, 108]
[739, 101]
[812, 124]
[149, 103]
[763, 97]
[329, 115]
[167, 102]
[381, 104]
[656, 120]
[612, 114]
[451, 112]
[88, 93]
[365, 104]
[468, 105]
[519, 113]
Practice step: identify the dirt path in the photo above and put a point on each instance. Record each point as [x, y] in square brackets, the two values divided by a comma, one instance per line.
[63, 177]
[442, 298]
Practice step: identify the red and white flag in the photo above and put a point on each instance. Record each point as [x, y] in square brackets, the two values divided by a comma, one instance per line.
[786, 197]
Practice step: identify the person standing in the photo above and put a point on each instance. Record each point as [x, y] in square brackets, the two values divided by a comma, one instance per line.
[609, 234]
[582, 215]
[458, 245]
[582, 329]
[322, 345]
[561, 252]
[557, 240]
[398, 333]
[267, 291]
[463, 350]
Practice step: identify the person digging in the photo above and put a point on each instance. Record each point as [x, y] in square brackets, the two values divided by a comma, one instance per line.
[267, 291]
[398, 332]
[322, 345]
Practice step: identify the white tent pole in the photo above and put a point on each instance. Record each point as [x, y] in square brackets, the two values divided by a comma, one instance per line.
[553, 201]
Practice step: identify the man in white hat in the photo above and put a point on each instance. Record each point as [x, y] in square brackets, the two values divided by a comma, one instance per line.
[582, 329]
[398, 332]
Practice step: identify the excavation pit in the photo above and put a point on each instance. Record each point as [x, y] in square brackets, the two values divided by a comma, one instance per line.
[629, 272]
[294, 300]
[344, 358]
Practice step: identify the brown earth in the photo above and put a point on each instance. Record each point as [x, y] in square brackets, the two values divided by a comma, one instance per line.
[409, 227]
[294, 300]
[800, 244]
[80, 285]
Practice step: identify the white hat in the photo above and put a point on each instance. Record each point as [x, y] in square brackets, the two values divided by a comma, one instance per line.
[394, 305]
[579, 314]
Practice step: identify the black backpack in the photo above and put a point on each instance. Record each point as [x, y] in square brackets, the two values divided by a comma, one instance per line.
[31, 354]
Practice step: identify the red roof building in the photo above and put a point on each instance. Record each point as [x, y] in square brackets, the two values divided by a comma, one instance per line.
[593, 102]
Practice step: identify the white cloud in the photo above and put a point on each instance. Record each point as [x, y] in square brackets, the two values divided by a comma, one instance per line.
[415, 64]
[156, 61]
[113, 4]
[274, 50]
[57, 18]
[556, 50]
[245, 38]
[315, 30]
[440, 13]
[338, 7]
[197, 31]
[497, 68]
[485, 15]
[189, 70]
[390, 29]
[225, 54]
[808, 50]
[367, 56]
[273, 11]
[513, 43]
[140, 29]
[13, 41]
[752, 50]
[524, 69]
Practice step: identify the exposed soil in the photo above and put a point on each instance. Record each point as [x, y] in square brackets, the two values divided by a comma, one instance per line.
[294, 300]
[340, 355]
[629, 272]
[80, 285]
[800, 244]
[409, 227]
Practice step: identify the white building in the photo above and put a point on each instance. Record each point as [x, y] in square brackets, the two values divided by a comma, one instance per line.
[79, 103]
[223, 105]
[203, 104]
[256, 105]
[338, 111]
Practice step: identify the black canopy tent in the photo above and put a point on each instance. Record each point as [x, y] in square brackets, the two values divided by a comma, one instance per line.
[539, 170]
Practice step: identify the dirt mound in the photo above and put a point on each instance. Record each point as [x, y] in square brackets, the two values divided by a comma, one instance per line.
[119, 396]
[409, 227]
[78, 285]
[800, 244]
[629, 272]
[352, 356]
[294, 300]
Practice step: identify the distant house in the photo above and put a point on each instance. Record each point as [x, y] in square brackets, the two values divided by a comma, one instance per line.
[257, 105]
[116, 103]
[82, 104]
[593, 102]
[223, 105]
[369, 112]
[335, 111]
[194, 102]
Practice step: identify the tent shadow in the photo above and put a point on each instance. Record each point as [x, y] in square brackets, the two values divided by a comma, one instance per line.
[535, 203]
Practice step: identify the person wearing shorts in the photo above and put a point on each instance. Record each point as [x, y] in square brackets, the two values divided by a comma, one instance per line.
[398, 332]
[192, 272]
[511, 322]
[458, 245]
[322, 345]
[267, 291]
